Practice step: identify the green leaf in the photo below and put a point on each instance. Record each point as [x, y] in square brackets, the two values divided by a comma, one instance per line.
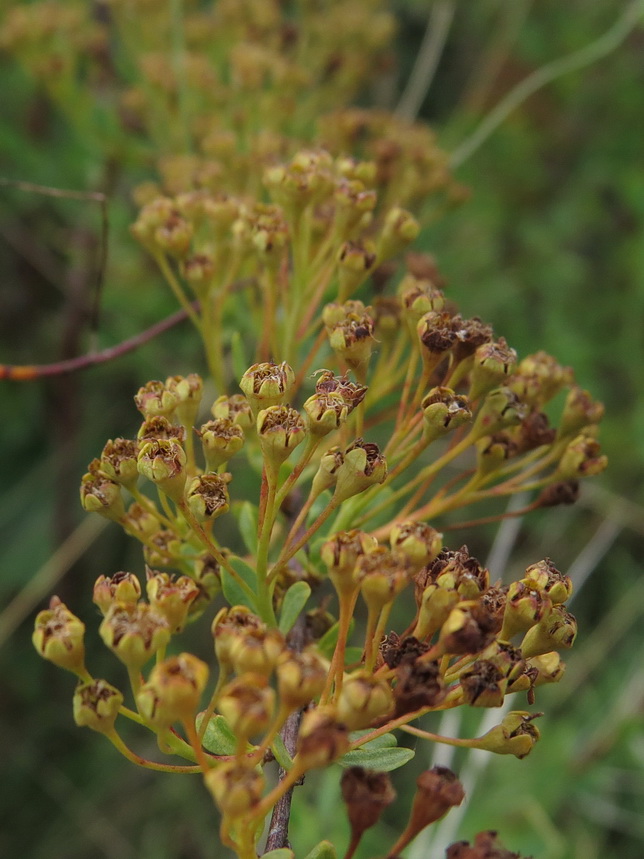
[218, 737]
[384, 741]
[247, 521]
[294, 601]
[323, 850]
[280, 853]
[353, 655]
[383, 760]
[240, 363]
[233, 591]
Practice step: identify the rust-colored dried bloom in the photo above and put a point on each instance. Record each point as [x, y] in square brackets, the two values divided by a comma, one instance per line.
[96, 705]
[207, 496]
[483, 685]
[58, 636]
[562, 492]
[267, 384]
[460, 570]
[101, 495]
[134, 632]
[173, 691]
[486, 846]
[322, 738]
[438, 790]
[121, 587]
[366, 794]
[418, 684]
[469, 628]
[351, 333]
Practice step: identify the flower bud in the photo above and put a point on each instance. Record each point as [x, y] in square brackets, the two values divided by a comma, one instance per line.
[444, 411]
[363, 699]
[280, 430]
[235, 408]
[579, 412]
[494, 362]
[581, 458]
[256, 651]
[171, 596]
[207, 496]
[163, 549]
[469, 628]
[301, 678]
[188, 390]
[419, 296]
[325, 413]
[437, 333]
[198, 271]
[247, 705]
[501, 408]
[96, 705]
[118, 461]
[164, 463]
[159, 427]
[267, 384]
[460, 570]
[516, 735]
[366, 794]
[173, 691]
[363, 466]
[207, 579]
[524, 607]
[100, 495]
[351, 393]
[236, 788]
[399, 230]
[546, 578]
[221, 439]
[228, 625]
[382, 576]
[549, 666]
[58, 636]
[174, 236]
[322, 738]
[436, 604]
[352, 336]
[355, 261]
[552, 377]
[417, 541]
[134, 632]
[140, 522]
[121, 587]
[341, 553]
[155, 399]
[326, 475]
[493, 451]
[555, 630]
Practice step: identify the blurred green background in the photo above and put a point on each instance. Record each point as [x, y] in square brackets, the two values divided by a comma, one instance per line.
[549, 248]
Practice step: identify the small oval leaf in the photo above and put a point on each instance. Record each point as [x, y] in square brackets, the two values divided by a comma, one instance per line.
[383, 760]
[294, 601]
[218, 737]
[233, 591]
[247, 521]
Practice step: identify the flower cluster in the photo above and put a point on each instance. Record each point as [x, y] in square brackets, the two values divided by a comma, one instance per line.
[351, 413]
